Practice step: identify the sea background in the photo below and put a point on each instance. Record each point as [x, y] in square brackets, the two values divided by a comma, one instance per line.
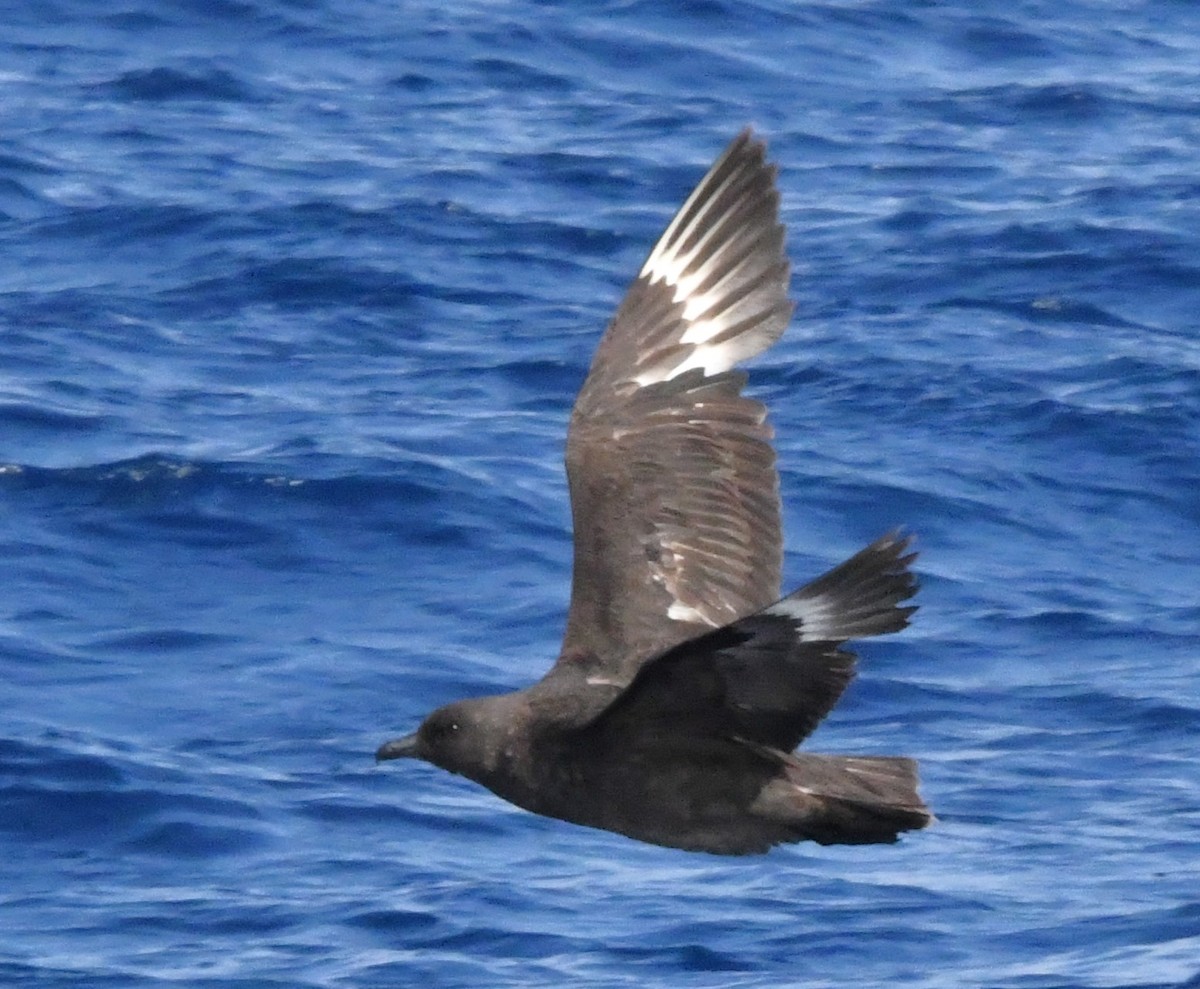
[295, 297]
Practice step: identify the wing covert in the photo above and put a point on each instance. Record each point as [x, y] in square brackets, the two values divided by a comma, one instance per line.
[771, 677]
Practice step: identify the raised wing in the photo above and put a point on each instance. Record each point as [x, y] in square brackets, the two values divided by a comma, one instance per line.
[770, 678]
[674, 490]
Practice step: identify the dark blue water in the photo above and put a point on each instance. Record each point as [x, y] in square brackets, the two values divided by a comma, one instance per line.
[294, 301]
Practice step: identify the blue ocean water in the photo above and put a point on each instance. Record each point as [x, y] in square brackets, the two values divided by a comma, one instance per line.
[295, 297]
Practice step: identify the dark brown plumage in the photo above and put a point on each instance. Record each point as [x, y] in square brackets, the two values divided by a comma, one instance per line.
[684, 682]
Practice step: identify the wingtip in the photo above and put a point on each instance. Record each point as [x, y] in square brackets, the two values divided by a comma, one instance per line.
[750, 136]
[899, 539]
[860, 597]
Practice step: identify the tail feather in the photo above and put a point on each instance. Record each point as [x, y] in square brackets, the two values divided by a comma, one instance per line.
[845, 800]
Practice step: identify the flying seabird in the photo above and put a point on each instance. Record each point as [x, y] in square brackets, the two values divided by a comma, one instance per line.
[685, 681]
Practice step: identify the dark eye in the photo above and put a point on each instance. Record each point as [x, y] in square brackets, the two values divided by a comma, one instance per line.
[442, 729]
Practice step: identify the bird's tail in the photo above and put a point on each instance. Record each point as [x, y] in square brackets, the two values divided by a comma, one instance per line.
[855, 800]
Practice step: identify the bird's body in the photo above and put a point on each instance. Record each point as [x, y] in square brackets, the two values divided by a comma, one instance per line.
[684, 681]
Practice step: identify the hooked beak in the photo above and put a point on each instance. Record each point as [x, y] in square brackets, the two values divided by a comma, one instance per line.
[398, 748]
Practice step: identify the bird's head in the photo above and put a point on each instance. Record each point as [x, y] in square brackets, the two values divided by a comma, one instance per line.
[466, 737]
